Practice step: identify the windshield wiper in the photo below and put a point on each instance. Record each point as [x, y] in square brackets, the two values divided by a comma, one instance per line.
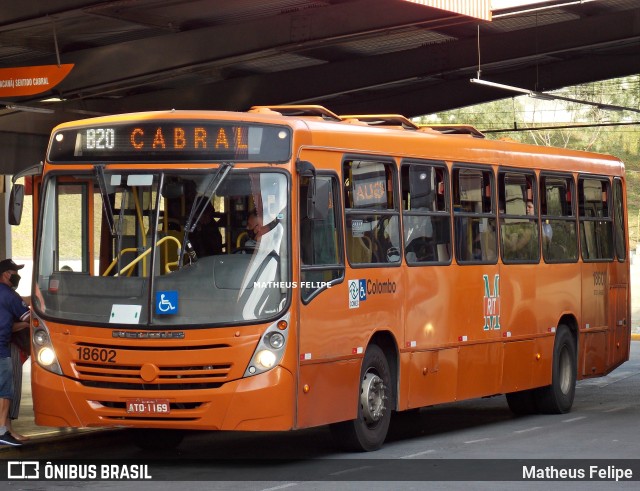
[200, 203]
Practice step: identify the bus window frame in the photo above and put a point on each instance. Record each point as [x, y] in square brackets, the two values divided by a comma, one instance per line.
[439, 164]
[618, 198]
[55, 172]
[608, 219]
[502, 171]
[338, 213]
[570, 218]
[389, 212]
[88, 246]
[465, 214]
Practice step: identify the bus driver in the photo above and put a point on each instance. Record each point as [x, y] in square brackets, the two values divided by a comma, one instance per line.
[255, 229]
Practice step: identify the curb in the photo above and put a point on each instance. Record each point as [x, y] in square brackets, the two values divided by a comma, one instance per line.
[635, 336]
[104, 436]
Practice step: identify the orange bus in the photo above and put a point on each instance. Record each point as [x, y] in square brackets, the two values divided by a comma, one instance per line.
[286, 268]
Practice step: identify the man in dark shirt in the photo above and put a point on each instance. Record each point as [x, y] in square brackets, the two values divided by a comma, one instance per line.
[14, 316]
[206, 239]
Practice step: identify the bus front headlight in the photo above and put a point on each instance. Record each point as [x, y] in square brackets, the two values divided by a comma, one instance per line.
[45, 355]
[270, 349]
[266, 358]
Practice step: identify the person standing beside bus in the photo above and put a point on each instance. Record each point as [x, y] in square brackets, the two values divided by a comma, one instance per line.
[20, 353]
[14, 316]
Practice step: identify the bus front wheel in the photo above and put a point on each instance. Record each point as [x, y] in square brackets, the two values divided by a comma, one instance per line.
[557, 398]
[368, 431]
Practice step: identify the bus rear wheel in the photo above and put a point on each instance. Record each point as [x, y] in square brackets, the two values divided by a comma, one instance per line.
[368, 431]
[557, 398]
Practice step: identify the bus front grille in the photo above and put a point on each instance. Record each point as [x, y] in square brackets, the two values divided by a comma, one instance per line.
[137, 377]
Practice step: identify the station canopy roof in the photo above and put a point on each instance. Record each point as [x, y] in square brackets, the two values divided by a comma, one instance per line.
[407, 57]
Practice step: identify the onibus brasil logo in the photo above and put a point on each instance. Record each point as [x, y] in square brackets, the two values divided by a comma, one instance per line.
[491, 303]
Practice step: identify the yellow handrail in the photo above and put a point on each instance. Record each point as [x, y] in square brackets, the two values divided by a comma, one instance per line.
[140, 257]
[113, 263]
[241, 236]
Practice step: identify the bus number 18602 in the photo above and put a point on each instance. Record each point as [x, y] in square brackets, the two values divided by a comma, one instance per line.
[96, 354]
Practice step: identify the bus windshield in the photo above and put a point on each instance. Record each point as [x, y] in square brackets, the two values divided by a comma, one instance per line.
[163, 249]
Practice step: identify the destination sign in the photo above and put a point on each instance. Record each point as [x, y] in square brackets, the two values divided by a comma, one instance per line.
[151, 141]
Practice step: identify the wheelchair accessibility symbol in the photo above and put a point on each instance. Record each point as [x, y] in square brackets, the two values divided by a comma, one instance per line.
[166, 302]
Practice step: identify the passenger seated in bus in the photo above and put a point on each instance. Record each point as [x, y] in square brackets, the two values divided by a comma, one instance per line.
[547, 233]
[205, 238]
[520, 243]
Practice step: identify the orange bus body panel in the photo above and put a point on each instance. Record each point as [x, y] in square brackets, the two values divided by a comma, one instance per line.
[238, 404]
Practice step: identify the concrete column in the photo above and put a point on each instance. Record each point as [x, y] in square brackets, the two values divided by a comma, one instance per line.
[5, 230]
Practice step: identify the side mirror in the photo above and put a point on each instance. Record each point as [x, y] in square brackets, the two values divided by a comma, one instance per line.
[318, 193]
[16, 199]
[318, 199]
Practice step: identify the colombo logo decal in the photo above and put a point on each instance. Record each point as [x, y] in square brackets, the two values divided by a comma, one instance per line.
[491, 303]
[359, 290]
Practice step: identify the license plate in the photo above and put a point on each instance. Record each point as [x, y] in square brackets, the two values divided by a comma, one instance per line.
[148, 406]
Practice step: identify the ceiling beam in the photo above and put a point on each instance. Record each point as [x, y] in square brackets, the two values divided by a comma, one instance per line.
[538, 47]
[431, 98]
[100, 68]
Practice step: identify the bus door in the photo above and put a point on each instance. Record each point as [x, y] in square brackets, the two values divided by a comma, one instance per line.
[477, 291]
[618, 284]
[324, 310]
[596, 241]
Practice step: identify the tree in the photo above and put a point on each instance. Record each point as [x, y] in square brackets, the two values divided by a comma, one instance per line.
[524, 114]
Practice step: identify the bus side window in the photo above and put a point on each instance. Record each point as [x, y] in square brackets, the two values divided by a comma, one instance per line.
[519, 231]
[596, 224]
[559, 232]
[474, 215]
[371, 214]
[425, 209]
[321, 252]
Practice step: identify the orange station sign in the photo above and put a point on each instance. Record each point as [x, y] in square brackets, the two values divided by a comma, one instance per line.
[31, 80]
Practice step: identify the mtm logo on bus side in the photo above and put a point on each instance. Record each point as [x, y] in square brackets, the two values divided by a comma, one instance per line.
[491, 303]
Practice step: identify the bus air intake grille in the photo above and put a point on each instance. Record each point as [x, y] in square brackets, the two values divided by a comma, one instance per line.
[141, 377]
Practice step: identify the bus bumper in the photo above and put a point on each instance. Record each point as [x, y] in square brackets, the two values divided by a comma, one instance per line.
[264, 402]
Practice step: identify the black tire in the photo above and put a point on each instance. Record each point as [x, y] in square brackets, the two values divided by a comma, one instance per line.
[368, 431]
[522, 402]
[152, 439]
[557, 398]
